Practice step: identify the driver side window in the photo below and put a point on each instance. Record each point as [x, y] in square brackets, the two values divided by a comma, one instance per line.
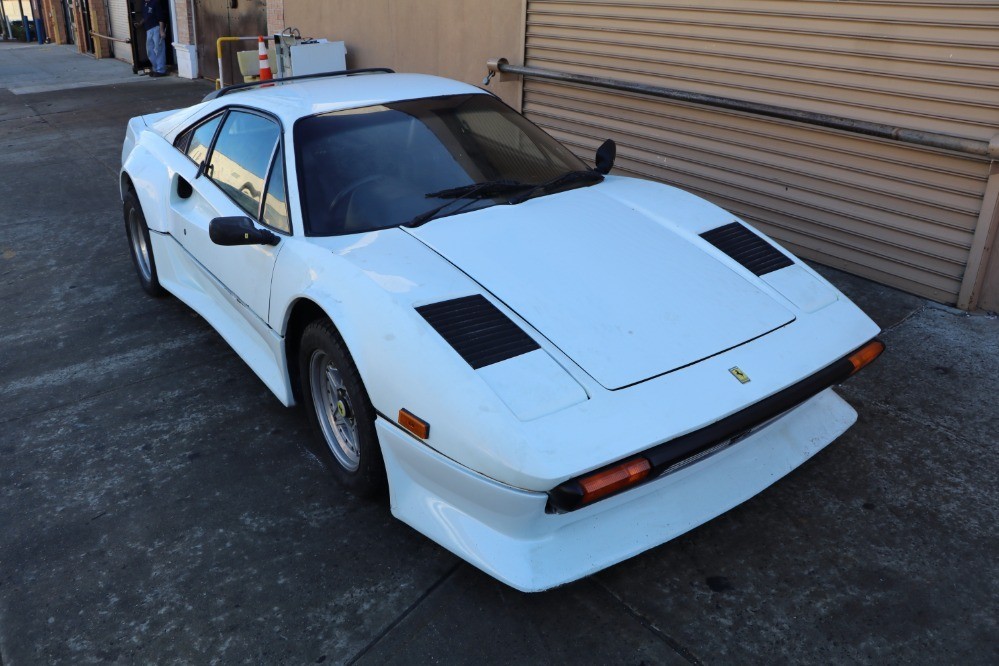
[242, 154]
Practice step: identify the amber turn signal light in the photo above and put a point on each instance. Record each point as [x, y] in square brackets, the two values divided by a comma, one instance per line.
[414, 424]
[611, 480]
[866, 354]
[584, 490]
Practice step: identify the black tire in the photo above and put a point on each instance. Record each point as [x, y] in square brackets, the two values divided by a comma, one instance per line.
[140, 248]
[340, 407]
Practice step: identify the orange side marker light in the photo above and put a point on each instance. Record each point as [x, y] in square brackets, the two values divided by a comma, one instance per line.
[414, 424]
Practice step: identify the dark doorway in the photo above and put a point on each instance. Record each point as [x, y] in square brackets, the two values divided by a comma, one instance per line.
[140, 57]
[87, 38]
[227, 18]
[67, 9]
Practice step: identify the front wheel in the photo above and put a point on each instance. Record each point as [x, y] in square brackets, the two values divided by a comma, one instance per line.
[341, 414]
[141, 248]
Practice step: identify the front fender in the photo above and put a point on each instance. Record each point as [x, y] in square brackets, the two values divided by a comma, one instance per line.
[369, 286]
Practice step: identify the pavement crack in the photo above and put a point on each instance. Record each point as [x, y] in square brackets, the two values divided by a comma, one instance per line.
[674, 644]
[915, 313]
[402, 616]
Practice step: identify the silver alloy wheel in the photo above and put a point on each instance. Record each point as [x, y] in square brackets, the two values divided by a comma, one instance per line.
[139, 247]
[334, 411]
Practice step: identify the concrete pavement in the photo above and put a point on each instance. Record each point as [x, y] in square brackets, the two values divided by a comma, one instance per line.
[158, 504]
[34, 68]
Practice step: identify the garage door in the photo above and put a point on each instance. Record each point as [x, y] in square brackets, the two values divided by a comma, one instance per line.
[904, 216]
[118, 16]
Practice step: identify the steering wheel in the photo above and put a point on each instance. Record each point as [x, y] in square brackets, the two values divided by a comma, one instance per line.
[344, 196]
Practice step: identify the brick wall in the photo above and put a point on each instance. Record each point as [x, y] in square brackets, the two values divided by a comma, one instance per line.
[55, 22]
[185, 21]
[275, 16]
[99, 23]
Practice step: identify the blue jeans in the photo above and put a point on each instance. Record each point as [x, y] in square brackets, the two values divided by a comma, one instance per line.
[156, 50]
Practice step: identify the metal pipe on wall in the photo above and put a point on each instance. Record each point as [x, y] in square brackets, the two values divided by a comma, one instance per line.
[878, 130]
[109, 38]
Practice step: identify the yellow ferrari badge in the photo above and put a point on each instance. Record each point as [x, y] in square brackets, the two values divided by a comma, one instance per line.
[739, 374]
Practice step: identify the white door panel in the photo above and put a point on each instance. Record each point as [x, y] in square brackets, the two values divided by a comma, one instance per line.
[231, 183]
[245, 270]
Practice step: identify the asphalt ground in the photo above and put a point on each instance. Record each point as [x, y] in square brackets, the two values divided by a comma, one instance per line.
[157, 503]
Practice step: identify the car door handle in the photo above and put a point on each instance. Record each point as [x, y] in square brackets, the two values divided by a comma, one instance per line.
[184, 188]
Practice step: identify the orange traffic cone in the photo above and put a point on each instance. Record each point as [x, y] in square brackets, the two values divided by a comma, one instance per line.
[265, 65]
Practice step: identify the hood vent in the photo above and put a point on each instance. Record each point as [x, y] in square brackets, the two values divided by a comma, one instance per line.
[477, 330]
[747, 248]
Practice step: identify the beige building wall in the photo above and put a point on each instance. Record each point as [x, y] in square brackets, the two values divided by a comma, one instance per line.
[13, 9]
[451, 38]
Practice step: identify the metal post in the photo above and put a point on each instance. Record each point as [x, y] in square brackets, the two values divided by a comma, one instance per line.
[986, 235]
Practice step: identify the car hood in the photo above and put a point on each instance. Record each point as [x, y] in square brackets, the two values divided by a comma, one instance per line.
[626, 293]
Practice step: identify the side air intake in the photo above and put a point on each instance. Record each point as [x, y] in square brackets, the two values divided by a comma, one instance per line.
[477, 330]
[747, 248]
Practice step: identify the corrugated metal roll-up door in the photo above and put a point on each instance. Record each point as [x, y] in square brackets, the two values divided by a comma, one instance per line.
[118, 16]
[899, 214]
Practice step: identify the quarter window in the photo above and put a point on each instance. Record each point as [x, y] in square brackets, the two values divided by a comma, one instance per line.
[201, 140]
[180, 143]
[238, 163]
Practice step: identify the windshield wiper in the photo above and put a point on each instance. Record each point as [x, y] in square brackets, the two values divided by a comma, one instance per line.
[473, 192]
[567, 178]
[483, 189]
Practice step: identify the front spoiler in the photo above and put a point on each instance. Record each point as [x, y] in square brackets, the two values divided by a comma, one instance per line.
[505, 531]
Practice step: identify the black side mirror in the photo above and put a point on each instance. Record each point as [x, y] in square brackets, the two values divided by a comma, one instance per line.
[239, 230]
[605, 156]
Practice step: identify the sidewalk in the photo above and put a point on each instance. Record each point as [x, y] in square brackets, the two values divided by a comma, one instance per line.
[36, 68]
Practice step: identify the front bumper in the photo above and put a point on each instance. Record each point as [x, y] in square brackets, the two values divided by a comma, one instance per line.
[506, 532]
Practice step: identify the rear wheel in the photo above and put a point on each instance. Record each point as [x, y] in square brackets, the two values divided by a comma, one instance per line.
[341, 414]
[140, 246]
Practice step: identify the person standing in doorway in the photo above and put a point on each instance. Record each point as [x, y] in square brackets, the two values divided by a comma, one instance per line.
[154, 21]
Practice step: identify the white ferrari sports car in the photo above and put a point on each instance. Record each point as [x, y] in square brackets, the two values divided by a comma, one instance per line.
[548, 368]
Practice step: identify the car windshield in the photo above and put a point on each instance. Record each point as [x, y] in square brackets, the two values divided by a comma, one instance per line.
[391, 164]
